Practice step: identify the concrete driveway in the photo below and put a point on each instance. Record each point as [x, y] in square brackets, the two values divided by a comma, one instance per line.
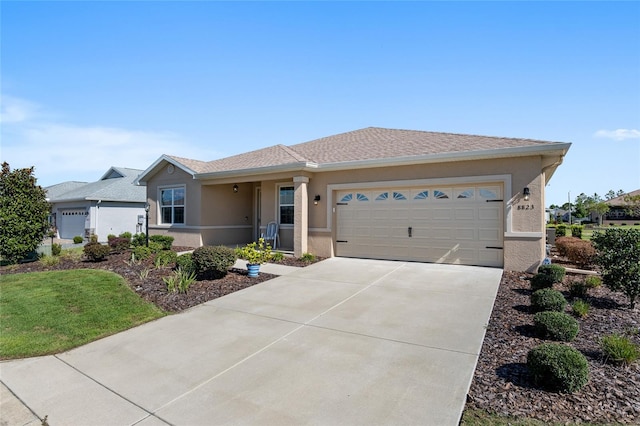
[344, 341]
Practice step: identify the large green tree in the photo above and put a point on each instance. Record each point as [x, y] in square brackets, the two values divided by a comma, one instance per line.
[24, 213]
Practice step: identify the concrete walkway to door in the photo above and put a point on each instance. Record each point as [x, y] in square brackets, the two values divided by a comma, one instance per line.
[343, 341]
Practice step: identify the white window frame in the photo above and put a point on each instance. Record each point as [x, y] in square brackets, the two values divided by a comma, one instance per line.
[172, 206]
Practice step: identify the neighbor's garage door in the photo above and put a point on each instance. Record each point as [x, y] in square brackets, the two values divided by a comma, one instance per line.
[461, 225]
[71, 222]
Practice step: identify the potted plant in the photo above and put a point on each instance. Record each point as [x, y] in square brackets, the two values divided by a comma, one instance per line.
[255, 254]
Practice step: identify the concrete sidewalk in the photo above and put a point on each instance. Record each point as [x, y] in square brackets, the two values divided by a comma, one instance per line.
[343, 341]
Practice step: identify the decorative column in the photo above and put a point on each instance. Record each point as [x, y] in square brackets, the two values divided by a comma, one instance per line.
[300, 215]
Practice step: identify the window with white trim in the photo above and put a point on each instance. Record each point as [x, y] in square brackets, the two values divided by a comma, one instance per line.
[172, 205]
[285, 205]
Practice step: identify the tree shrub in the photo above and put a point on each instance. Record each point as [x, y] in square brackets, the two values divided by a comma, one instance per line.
[185, 262]
[213, 261]
[96, 252]
[539, 281]
[118, 244]
[78, 239]
[558, 367]
[142, 252]
[56, 249]
[165, 240]
[619, 256]
[24, 213]
[576, 231]
[619, 349]
[556, 272]
[548, 299]
[561, 230]
[556, 326]
[165, 258]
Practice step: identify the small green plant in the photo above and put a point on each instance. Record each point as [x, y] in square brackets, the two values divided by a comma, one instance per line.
[165, 258]
[56, 249]
[619, 349]
[179, 281]
[561, 230]
[73, 254]
[558, 367]
[255, 253]
[556, 326]
[540, 281]
[556, 272]
[165, 241]
[142, 253]
[278, 256]
[213, 261]
[126, 235]
[548, 299]
[96, 252]
[593, 281]
[49, 260]
[578, 289]
[144, 273]
[580, 308]
[77, 239]
[308, 257]
[185, 262]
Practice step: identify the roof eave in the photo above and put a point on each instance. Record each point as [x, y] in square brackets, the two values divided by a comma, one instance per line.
[289, 167]
[153, 168]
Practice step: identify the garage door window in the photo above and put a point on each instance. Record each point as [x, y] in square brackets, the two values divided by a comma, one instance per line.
[421, 195]
[172, 205]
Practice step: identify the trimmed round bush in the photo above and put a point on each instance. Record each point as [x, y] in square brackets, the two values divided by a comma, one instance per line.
[212, 261]
[119, 245]
[185, 263]
[77, 239]
[56, 249]
[556, 272]
[556, 326]
[540, 281]
[558, 367]
[548, 299]
[165, 240]
[96, 252]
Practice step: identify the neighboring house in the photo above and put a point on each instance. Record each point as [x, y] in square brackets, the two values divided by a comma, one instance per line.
[619, 208]
[370, 193]
[112, 205]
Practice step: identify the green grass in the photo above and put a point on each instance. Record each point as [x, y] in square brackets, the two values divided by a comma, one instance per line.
[587, 233]
[49, 312]
[482, 418]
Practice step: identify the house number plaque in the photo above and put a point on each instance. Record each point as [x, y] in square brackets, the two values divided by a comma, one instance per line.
[526, 207]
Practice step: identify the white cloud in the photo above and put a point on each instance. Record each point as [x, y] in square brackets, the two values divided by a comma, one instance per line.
[618, 134]
[61, 152]
[15, 110]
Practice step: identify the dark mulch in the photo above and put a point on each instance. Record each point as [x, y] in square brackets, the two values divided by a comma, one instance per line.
[502, 385]
[147, 281]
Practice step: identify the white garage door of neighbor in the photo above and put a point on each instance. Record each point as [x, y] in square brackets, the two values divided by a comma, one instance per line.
[458, 225]
[71, 222]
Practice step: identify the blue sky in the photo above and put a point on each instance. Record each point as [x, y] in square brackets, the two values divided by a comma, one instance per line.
[89, 85]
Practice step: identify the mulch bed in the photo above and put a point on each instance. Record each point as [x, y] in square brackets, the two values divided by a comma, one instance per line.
[146, 280]
[501, 384]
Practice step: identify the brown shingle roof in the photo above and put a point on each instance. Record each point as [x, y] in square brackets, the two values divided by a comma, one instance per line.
[371, 143]
[620, 201]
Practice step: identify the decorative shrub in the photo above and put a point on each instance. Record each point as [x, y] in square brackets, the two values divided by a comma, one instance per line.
[56, 249]
[539, 281]
[165, 258]
[77, 239]
[142, 253]
[96, 251]
[179, 281]
[576, 231]
[593, 281]
[578, 289]
[581, 252]
[619, 349]
[49, 260]
[255, 253]
[165, 240]
[126, 235]
[580, 308]
[139, 240]
[111, 237]
[561, 230]
[619, 257]
[558, 367]
[277, 256]
[556, 272]
[155, 246]
[93, 238]
[548, 299]
[308, 257]
[556, 326]
[185, 262]
[213, 261]
[119, 244]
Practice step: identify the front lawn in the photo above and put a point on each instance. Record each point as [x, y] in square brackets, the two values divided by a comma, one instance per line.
[49, 312]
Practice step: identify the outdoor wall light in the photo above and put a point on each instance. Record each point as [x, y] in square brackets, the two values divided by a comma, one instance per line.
[526, 193]
[235, 188]
[316, 199]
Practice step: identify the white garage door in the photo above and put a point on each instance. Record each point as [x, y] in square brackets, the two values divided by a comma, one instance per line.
[71, 222]
[459, 225]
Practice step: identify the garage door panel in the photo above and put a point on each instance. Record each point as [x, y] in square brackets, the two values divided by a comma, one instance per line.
[464, 214]
[489, 235]
[464, 234]
[491, 214]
